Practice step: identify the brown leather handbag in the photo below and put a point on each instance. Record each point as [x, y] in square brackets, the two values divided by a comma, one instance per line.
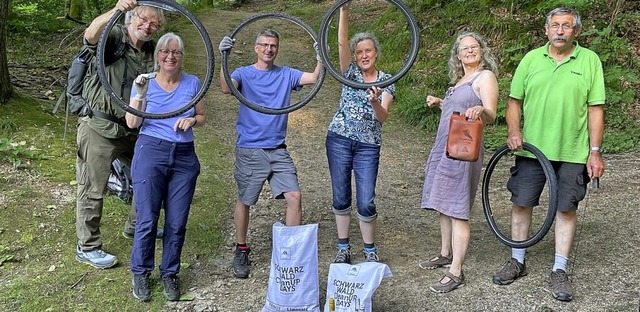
[465, 137]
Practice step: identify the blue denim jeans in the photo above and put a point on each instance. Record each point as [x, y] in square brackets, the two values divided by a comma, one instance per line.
[346, 155]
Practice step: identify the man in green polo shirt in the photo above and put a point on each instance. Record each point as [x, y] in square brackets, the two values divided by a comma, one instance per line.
[559, 91]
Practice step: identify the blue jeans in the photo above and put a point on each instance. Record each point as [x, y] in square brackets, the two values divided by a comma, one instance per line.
[346, 155]
[164, 175]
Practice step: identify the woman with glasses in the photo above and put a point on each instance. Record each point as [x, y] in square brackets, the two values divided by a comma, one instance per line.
[165, 166]
[450, 185]
[354, 138]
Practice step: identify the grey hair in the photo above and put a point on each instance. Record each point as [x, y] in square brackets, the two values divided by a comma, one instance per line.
[357, 38]
[577, 22]
[268, 33]
[487, 60]
[153, 11]
[163, 42]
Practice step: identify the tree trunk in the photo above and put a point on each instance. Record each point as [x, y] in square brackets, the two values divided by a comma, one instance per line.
[6, 89]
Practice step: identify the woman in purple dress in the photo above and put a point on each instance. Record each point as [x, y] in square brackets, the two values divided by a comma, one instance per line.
[450, 185]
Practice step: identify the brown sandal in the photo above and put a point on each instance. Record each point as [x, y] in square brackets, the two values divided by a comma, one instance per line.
[435, 262]
[453, 283]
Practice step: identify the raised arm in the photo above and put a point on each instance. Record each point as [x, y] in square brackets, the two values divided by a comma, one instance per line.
[225, 46]
[223, 83]
[140, 104]
[92, 33]
[311, 78]
[139, 101]
[344, 51]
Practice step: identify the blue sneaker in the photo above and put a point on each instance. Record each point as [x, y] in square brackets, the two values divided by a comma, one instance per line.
[96, 258]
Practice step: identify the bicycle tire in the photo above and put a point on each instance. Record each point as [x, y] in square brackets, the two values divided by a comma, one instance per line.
[168, 5]
[323, 34]
[553, 197]
[242, 98]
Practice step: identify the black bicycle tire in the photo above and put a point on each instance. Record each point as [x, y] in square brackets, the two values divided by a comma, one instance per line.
[168, 5]
[242, 98]
[552, 185]
[323, 35]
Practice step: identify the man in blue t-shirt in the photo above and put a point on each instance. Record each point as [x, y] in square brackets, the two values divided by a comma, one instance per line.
[261, 153]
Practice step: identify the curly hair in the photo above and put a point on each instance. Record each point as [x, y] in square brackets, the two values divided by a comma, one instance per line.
[487, 60]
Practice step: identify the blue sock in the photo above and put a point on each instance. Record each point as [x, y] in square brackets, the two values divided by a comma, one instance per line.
[560, 263]
[370, 248]
[343, 245]
[518, 254]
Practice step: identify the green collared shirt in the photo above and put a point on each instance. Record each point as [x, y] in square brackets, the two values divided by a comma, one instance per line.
[555, 99]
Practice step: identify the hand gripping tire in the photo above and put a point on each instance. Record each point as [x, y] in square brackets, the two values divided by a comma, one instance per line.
[552, 185]
[323, 34]
[169, 5]
[244, 100]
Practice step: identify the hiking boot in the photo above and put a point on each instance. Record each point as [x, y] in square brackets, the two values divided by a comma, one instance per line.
[96, 258]
[560, 285]
[370, 256]
[435, 262]
[171, 288]
[241, 264]
[141, 289]
[128, 234]
[511, 270]
[343, 256]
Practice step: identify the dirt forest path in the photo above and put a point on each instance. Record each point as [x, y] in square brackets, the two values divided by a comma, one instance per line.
[605, 275]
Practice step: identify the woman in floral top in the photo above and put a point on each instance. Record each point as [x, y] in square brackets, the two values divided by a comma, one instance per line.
[354, 138]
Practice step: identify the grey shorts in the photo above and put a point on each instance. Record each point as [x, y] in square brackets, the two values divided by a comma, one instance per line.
[527, 181]
[254, 166]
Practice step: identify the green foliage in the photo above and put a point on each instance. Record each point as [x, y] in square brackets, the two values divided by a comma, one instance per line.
[513, 28]
[15, 152]
[34, 17]
[619, 67]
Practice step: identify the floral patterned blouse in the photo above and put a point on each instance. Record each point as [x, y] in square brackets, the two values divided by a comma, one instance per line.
[355, 118]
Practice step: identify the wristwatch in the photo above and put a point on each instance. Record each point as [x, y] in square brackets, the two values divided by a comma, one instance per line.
[596, 149]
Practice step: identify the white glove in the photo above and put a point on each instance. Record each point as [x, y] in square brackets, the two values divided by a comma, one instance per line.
[141, 83]
[317, 48]
[226, 44]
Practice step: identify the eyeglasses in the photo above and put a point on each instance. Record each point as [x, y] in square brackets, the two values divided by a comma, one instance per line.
[565, 27]
[144, 20]
[175, 53]
[474, 47]
[266, 45]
